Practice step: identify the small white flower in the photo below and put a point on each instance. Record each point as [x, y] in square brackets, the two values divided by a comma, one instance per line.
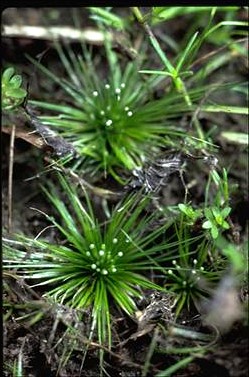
[102, 112]
[122, 85]
[193, 272]
[101, 252]
[195, 261]
[120, 253]
[130, 113]
[114, 269]
[95, 93]
[202, 268]
[92, 246]
[104, 272]
[174, 262]
[107, 86]
[117, 91]
[126, 108]
[115, 240]
[108, 122]
[93, 266]
[170, 272]
[88, 253]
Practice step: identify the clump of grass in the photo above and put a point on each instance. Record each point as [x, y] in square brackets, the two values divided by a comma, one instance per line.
[191, 277]
[94, 262]
[114, 122]
[200, 264]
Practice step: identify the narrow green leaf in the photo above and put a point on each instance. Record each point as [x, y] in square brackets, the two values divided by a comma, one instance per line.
[225, 109]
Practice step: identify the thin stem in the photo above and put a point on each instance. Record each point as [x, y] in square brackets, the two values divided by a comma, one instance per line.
[10, 176]
[179, 84]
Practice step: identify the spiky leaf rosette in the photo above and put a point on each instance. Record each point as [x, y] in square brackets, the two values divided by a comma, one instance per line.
[94, 262]
[113, 121]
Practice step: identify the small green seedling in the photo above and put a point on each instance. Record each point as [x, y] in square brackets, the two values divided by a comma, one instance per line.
[12, 93]
[216, 220]
[191, 213]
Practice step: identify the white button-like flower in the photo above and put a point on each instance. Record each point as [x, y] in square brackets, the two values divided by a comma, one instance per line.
[108, 122]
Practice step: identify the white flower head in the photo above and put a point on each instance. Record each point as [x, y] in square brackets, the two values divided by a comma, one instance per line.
[108, 122]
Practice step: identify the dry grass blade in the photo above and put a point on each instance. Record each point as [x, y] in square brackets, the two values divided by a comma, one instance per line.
[10, 176]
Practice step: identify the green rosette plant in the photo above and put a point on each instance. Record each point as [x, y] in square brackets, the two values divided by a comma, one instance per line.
[93, 263]
[112, 121]
[12, 93]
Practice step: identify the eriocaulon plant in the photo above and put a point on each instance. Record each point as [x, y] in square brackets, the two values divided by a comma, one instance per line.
[191, 276]
[114, 121]
[93, 262]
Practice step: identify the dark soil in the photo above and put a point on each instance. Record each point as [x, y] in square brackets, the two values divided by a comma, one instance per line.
[42, 345]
